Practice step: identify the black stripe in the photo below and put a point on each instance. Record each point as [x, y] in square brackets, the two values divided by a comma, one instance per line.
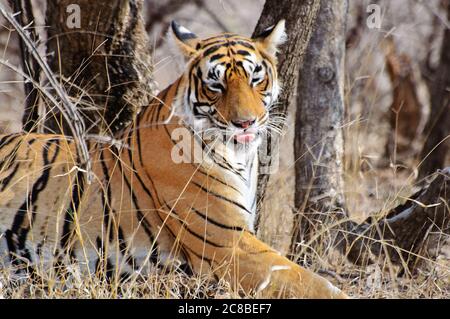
[8, 139]
[214, 43]
[195, 80]
[186, 268]
[266, 84]
[199, 104]
[4, 182]
[141, 218]
[208, 260]
[130, 155]
[106, 198]
[190, 231]
[223, 163]
[246, 44]
[10, 242]
[218, 86]
[250, 61]
[144, 186]
[243, 52]
[222, 197]
[213, 49]
[129, 259]
[212, 75]
[201, 171]
[31, 199]
[216, 57]
[148, 113]
[212, 221]
[69, 218]
[220, 181]
[241, 65]
[212, 154]
[203, 258]
[8, 160]
[108, 215]
[161, 105]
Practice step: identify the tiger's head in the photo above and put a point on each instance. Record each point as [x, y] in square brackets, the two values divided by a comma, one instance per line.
[231, 82]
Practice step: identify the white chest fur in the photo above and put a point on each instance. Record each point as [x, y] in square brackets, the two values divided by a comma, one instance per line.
[243, 175]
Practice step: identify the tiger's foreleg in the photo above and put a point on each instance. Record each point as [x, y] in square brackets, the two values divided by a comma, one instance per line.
[254, 266]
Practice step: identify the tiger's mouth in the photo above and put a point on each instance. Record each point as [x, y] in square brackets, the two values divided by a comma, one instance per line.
[246, 136]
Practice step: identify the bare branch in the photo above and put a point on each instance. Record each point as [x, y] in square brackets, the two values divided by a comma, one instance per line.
[68, 109]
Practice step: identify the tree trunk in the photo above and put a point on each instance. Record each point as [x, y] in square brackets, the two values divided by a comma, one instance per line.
[405, 230]
[299, 16]
[318, 142]
[24, 17]
[104, 63]
[437, 130]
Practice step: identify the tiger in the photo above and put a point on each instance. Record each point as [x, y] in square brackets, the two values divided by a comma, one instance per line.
[144, 205]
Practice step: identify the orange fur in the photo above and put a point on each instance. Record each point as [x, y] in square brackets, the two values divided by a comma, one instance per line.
[141, 205]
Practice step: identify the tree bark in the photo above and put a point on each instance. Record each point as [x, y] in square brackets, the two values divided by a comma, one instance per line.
[299, 16]
[24, 11]
[105, 64]
[318, 142]
[405, 231]
[437, 129]
[398, 236]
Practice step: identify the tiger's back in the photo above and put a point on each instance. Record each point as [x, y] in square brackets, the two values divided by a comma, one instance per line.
[49, 212]
[125, 217]
[35, 178]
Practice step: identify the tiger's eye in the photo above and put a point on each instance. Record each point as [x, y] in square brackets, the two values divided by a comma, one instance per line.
[217, 87]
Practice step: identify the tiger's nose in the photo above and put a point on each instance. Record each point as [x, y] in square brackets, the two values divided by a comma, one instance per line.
[243, 123]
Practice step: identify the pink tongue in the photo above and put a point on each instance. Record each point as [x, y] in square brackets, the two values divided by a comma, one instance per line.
[245, 138]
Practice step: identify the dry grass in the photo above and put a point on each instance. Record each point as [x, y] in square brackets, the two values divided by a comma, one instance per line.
[46, 285]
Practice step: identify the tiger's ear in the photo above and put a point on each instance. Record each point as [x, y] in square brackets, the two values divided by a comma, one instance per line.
[184, 40]
[272, 37]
